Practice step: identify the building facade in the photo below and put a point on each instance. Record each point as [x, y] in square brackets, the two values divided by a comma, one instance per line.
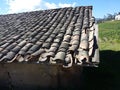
[117, 17]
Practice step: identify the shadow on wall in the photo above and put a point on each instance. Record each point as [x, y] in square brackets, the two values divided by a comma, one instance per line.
[106, 76]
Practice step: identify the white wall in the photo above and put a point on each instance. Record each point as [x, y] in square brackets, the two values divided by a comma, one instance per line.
[117, 17]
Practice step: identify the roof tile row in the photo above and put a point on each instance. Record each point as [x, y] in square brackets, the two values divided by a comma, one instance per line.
[64, 35]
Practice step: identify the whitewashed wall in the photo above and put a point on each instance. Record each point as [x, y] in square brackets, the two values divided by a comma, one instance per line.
[117, 17]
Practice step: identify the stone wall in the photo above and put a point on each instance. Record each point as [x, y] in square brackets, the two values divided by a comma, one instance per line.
[17, 76]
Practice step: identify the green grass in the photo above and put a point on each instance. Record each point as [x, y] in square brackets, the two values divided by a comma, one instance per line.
[109, 35]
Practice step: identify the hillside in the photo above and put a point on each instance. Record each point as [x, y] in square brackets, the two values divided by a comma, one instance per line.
[109, 35]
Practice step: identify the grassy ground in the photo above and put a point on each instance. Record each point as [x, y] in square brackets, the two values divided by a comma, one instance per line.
[109, 35]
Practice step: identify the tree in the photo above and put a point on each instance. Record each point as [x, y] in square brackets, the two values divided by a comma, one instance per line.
[110, 16]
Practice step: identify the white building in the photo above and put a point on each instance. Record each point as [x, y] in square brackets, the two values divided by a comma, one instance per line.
[117, 17]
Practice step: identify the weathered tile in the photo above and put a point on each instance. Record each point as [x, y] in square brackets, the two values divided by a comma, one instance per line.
[46, 45]
[11, 46]
[9, 56]
[83, 56]
[91, 35]
[64, 45]
[4, 45]
[50, 54]
[60, 57]
[16, 49]
[67, 38]
[22, 43]
[91, 43]
[33, 49]
[73, 48]
[48, 36]
[26, 47]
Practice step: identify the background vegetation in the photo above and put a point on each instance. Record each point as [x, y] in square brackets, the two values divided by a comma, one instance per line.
[109, 35]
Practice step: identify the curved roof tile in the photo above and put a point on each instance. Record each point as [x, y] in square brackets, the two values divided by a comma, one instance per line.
[64, 35]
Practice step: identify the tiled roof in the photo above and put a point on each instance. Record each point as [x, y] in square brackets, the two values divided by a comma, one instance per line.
[64, 35]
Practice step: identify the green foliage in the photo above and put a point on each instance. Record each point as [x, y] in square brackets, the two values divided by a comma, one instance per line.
[109, 35]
